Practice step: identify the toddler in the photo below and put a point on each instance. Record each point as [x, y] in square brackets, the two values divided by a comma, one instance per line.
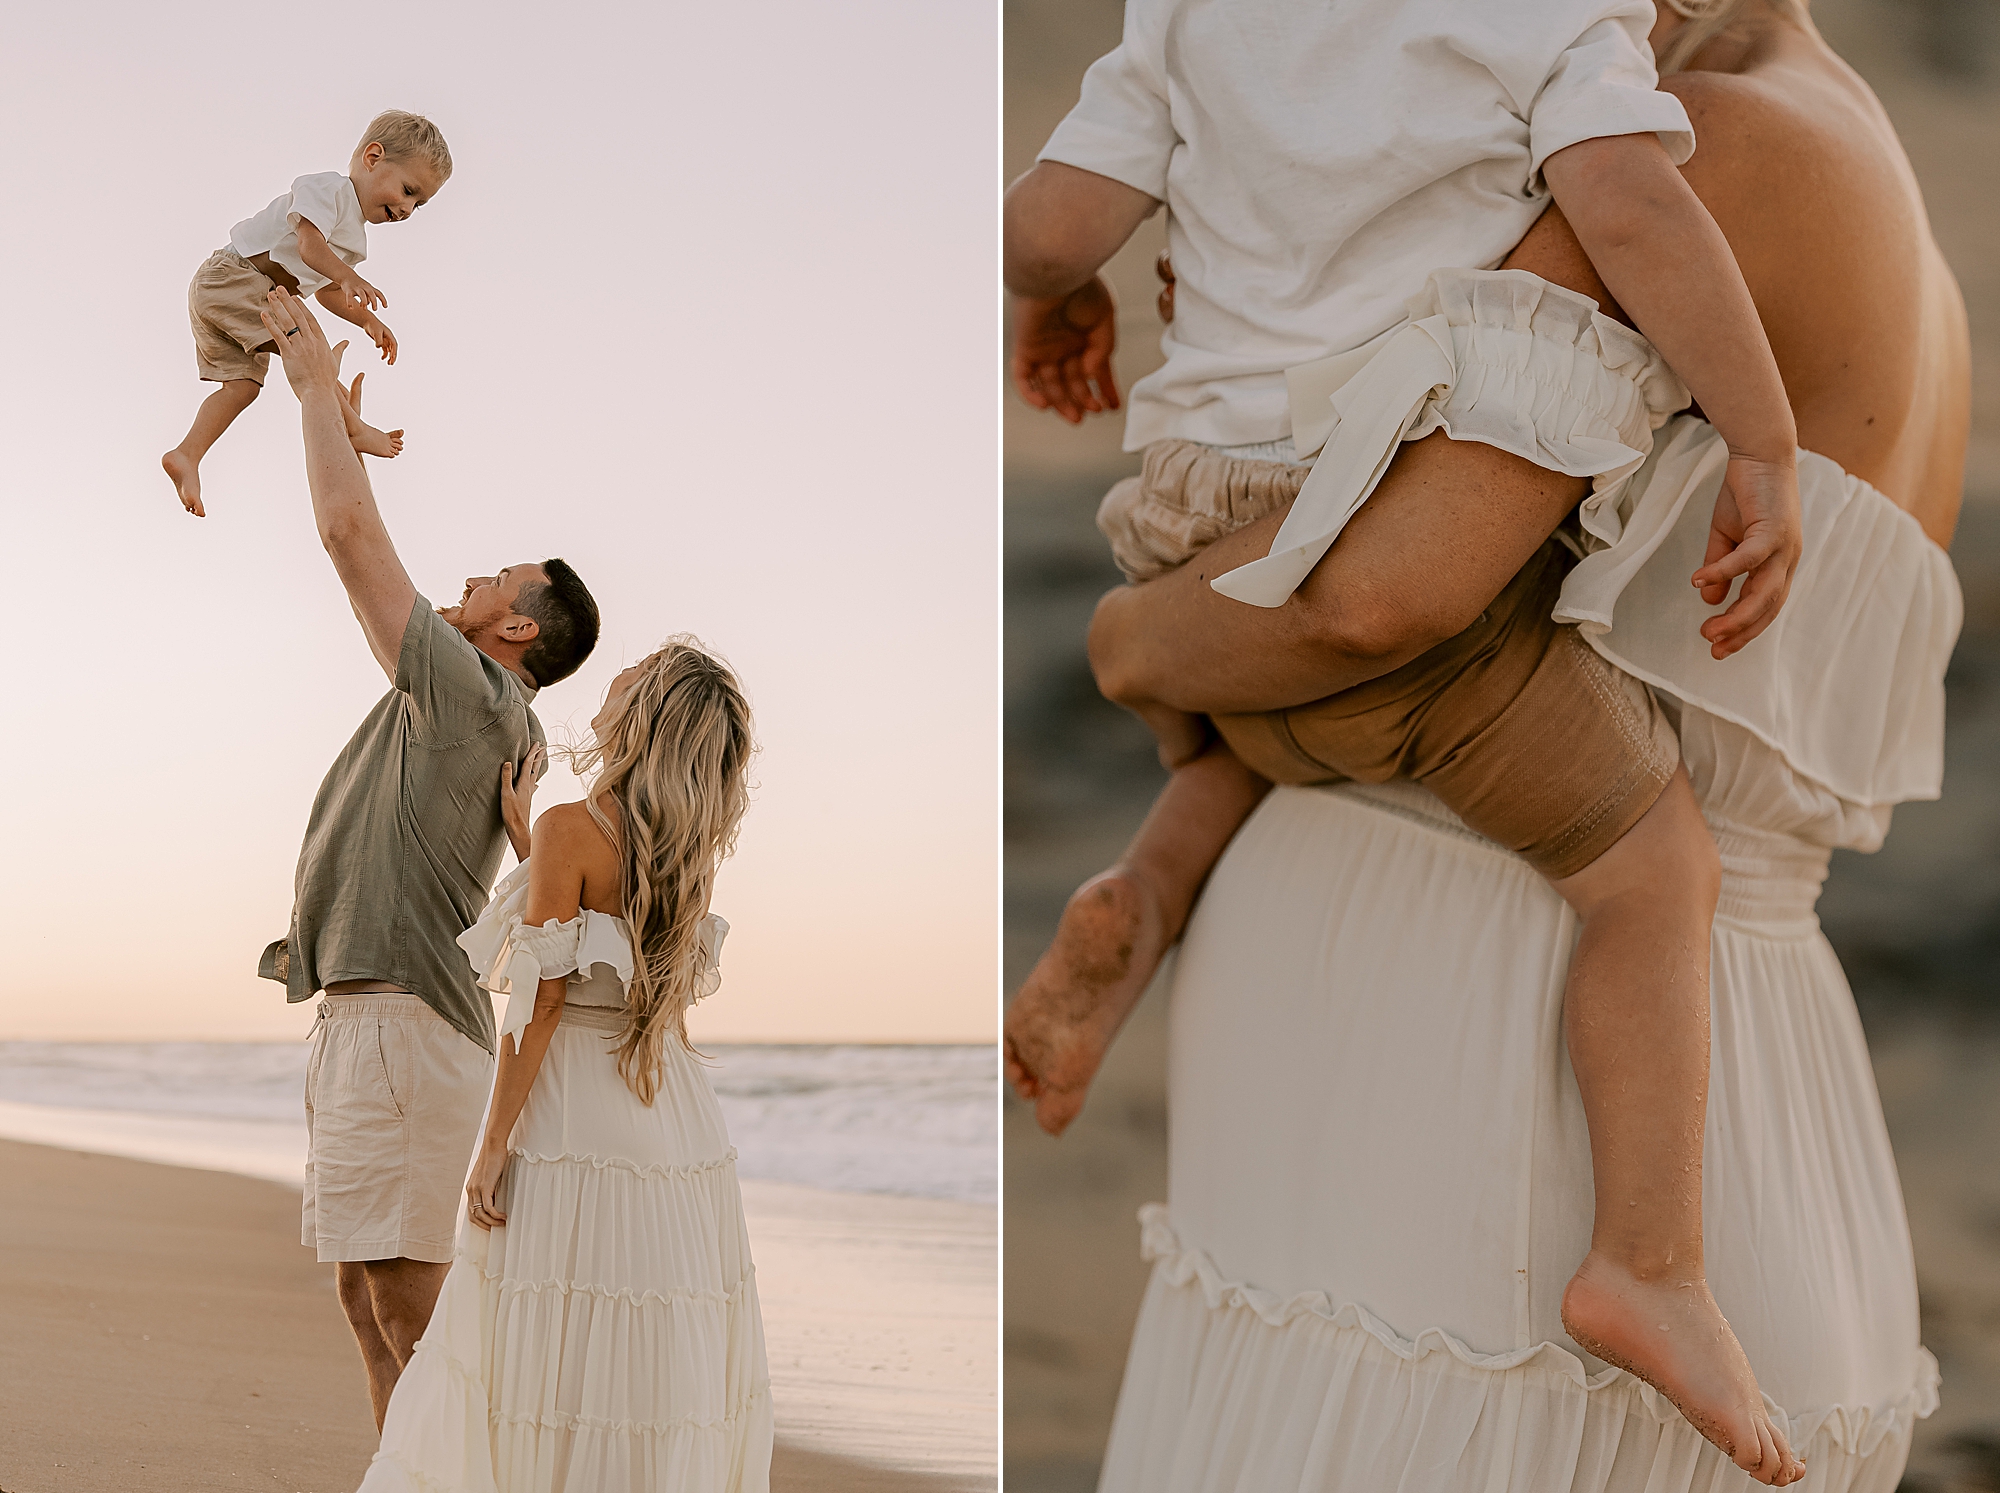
[309, 241]
[1337, 178]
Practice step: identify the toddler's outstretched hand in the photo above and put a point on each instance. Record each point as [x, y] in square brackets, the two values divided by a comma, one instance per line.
[1061, 358]
[1755, 532]
[382, 337]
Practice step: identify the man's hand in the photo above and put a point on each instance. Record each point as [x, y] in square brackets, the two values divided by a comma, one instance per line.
[1755, 531]
[1061, 358]
[311, 367]
[382, 337]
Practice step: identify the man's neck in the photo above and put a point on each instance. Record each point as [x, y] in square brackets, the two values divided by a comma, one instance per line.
[511, 665]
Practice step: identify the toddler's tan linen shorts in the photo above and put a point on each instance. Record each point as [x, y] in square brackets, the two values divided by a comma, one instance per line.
[1516, 724]
[224, 300]
[394, 1096]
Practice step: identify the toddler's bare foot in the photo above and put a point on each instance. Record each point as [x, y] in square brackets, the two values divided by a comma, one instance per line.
[1670, 1333]
[372, 442]
[187, 480]
[1058, 1028]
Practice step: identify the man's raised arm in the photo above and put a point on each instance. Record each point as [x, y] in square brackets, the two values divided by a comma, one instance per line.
[350, 525]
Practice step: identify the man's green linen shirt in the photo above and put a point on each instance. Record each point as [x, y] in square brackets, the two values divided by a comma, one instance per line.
[405, 835]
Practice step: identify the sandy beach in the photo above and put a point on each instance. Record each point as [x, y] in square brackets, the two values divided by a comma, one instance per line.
[162, 1329]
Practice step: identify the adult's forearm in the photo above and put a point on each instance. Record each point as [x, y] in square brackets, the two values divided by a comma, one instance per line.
[1447, 529]
[1450, 525]
[343, 502]
[514, 1075]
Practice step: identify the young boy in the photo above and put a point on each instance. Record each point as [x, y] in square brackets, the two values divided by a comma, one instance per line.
[1319, 164]
[309, 241]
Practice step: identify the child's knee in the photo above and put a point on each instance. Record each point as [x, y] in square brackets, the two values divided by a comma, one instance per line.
[1667, 862]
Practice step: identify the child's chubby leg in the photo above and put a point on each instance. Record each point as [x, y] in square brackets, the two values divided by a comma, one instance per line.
[1637, 1021]
[365, 438]
[217, 413]
[1115, 931]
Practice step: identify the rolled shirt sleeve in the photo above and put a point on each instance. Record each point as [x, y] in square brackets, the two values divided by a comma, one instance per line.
[1121, 126]
[1605, 83]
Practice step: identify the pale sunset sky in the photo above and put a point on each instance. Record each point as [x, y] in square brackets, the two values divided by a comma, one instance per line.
[708, 308]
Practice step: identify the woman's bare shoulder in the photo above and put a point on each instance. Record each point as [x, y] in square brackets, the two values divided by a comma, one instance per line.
[567, 831]
[1814, 136]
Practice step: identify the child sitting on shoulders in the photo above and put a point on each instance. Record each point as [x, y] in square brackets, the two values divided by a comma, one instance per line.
[308, 240]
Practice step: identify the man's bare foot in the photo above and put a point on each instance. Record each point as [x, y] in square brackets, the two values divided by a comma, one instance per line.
[372, 442]
[1671, 1334]
[187, 480]
[1080, 991]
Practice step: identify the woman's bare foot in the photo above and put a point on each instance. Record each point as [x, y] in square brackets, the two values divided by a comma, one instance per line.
[1670, 1333]
[186, 473]
[372, 442]
[1061, 1023]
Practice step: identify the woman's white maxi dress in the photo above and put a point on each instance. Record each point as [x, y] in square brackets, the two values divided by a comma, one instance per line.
[1379, 1173]
[606, 1338]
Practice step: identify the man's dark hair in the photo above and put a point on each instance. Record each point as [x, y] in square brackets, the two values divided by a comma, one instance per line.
[566, 614]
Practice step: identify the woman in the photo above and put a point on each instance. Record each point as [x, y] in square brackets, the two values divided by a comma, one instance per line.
[1378, 1174]
[599, 1329]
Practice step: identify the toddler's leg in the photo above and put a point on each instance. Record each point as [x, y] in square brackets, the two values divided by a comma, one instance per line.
[1636, 1016]
[216, 414]
[364, 437]
[1115, 930]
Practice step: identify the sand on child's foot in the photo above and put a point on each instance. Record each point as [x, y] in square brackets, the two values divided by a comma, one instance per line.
[1106, 948]
[1672, 1335]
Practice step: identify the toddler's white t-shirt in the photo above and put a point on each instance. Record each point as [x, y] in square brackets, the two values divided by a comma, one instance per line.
[1319, 158]
[326, 200]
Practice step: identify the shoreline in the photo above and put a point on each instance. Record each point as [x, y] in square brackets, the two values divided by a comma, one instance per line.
[166, 1331]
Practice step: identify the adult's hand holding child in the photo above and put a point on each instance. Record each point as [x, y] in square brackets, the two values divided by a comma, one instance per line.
[311, 366]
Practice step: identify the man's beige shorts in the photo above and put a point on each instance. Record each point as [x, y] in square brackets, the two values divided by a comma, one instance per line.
[394, 1096]
[224, 300]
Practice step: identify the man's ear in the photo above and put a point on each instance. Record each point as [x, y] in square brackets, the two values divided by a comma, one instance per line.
[520, 629]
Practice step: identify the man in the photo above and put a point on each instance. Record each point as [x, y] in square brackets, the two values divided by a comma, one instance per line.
[399, 855]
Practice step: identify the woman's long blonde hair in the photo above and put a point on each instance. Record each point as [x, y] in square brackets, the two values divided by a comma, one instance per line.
[1708, 19]
[675, 758]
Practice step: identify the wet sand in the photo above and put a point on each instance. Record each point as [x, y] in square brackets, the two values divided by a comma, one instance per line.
[161, 1328]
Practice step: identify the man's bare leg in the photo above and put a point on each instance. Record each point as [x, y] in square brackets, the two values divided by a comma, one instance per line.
[1116, 929]
[388, 1304]
[217, 413]
[1637, 1021]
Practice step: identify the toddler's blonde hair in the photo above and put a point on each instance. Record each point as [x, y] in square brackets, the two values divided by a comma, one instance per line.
[408, 137]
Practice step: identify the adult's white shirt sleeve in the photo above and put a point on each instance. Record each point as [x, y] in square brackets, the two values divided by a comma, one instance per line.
[1605, 83]
[316, 198]
[1121, 126]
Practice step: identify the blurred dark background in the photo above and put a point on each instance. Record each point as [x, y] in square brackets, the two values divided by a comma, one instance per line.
[1917, 926]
